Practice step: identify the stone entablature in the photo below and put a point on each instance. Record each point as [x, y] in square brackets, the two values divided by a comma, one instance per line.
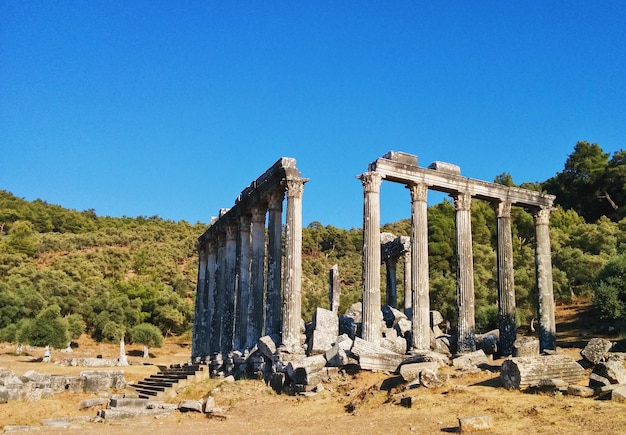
[241, 295]
[402, 168]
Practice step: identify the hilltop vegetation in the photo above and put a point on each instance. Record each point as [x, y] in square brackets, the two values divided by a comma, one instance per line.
[78, 272]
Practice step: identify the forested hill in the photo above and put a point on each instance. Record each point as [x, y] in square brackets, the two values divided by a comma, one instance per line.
[80, 272]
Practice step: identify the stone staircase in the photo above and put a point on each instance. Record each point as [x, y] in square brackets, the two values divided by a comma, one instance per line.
[162, 385]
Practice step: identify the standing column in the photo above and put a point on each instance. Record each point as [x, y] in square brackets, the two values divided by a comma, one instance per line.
[372, 315]
[230, 272]
[198, 348]
[543, 264]
[243, 283]
[257, 276]
[408, 292]
[506, 283]
[217, 327]
[334, 288]
[292, 296]
[273, 300]
[420, 320]
[209, 297]
[465, 273]
[392, 291]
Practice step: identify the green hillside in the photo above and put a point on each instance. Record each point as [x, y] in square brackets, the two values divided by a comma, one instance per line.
[64, 272]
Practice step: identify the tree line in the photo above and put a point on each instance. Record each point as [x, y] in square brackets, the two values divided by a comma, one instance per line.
[65, 272]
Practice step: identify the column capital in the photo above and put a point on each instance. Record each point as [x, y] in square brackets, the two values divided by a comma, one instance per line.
[244, 222]
[295, 187]
[275, 200]
[231, 232]
[419, 191]
[503, 209]
[463, 201]
[371, 181]
[258, 213]
[542, 216]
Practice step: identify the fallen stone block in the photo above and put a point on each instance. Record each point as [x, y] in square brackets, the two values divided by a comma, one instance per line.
[320, 342]
[127, 402]
[579, 390]
[209, 404]
[4, 395]
[596, 350]
[381, 361]
[64, 422]
[336, 357]
[433, 378]
[526, 346]
[619, 394]
[470, 360]
[412, 371]
[612, 370]
[299, 372]
[396, 345]
[267, 346]
[598, 381]
[326, 320]
[475, 423]
[525, 372]
[90, 403]
[408, 402]
[190, 406]
[392, 316]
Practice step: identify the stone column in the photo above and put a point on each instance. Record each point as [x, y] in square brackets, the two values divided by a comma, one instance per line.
[465, 273]
[273, 301]
[420, 320]
[257, 276]
[292, 296]
[212, 336]
[334, 291]
[408, 292]
[372, 315]
[219, 296]
[199, 319]
[506, 283]
[230, 273]
[543, 264]
[391, 274]
[243, 283]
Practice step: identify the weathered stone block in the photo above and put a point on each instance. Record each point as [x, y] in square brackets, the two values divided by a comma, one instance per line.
[525, 372]
[612, 370]
[411, 371]
[90, 403]
[190, 406]
[596, 350]
[320, 342]
[403, 327]
[436, 318]
[619, 394]
[4, 395]
[579, 390]
[336, 357]
[298, 372]
[433, 378]
[470, 360]
[392, 316]
[267, 346]
[355, 312]
[475, 423]
[381, 361]
[526, 346]
[396, 345]
[488, 343]
[326, 320]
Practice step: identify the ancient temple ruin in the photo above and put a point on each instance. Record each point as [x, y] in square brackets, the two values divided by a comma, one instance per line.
[444, 177]
[245, 293]
[241, 295]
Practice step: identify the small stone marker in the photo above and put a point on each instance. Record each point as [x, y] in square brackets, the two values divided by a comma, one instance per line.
[475, 423]
[596, 350]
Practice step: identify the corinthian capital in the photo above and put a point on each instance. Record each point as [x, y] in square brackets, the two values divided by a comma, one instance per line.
[371, 182]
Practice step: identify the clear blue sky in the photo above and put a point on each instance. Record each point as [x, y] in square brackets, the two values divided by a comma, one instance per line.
[171, 108]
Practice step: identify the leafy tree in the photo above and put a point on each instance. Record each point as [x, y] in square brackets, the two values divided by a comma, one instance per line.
[48, 328]
[148, 335]
[22, 238]
[610, 290]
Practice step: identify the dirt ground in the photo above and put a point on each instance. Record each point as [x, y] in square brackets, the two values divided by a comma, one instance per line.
[350, 404]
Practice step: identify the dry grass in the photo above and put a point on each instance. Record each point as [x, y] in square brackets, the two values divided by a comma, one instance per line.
[349, 405]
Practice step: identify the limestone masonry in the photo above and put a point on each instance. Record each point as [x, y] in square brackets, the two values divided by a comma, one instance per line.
[248, 301]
